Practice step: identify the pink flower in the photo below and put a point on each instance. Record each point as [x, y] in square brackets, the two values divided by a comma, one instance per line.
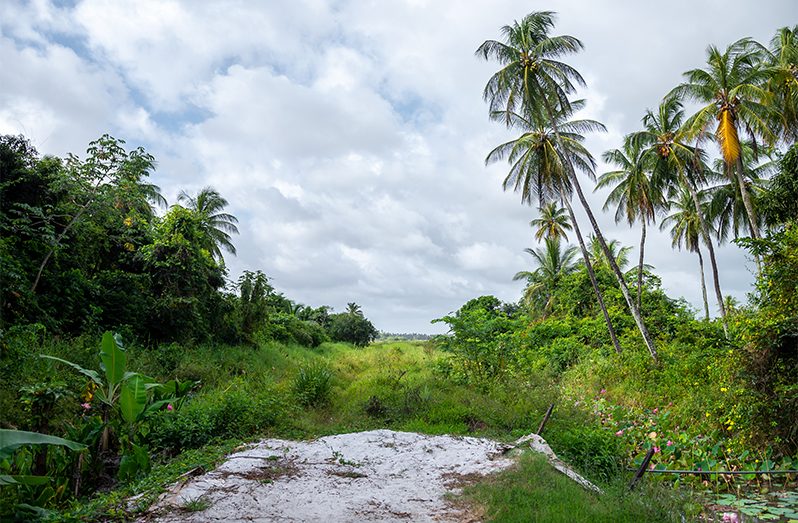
[86, 406]
[169, 407]
[669, 443]
[603, 391]
[656, 450]
[730, 517]
[656, 409]
[619, 433]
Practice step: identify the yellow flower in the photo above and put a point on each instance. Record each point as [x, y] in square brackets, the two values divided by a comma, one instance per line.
[724, 389]
[707, 414]
[129, 221]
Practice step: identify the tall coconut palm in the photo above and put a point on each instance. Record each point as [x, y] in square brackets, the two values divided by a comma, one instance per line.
[216, 224]
[782, 67]
[553, 262]
[686, 231]
[633, 194]
[676, 163]
[538, 170]
[553, 222]
[733, 88]
[533, 81]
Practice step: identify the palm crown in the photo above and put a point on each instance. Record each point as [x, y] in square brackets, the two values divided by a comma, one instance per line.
[217, 226]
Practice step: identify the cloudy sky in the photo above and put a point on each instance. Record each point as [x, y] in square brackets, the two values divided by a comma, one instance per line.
[349, 136]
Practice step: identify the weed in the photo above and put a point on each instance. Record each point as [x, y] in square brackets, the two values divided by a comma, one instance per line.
[196, 505]
[312, 385]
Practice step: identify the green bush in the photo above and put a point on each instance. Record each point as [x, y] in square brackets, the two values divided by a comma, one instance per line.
[312, 385]
[594, 451]
[287, 328]
[221, 414]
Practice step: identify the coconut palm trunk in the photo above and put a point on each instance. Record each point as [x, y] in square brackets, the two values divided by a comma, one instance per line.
[640, 265]
[711, 249]
[703, 281]
[749, 206]
[592, 275]
[610, 258]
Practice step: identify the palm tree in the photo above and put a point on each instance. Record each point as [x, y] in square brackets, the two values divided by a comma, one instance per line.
[538, 169]
[553, 262]
[216, 225]
[727, 209]
[354, 309]
[620, 254]
[686, 231]
[553, 222]
[533, 81]
[733, 88]
[676, 163]
[782, 66]
[633, 193]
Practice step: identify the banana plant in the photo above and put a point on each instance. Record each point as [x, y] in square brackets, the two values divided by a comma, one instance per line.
[125, 396]
[11, 440]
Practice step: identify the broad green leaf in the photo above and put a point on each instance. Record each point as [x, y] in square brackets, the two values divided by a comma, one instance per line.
[23, 480]
[11, 439]
[133, 399]
[113, 359]
[92, 374]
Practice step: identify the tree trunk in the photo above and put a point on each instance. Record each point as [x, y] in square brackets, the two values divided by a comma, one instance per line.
[640, 266]
[749, 207]
[711, 249]
[613, 264]
[592, 274]
[703, 282]
[55, 246]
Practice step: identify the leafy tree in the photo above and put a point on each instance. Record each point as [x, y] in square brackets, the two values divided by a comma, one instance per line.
[481, 337]
[352, 327]
[216, 225]
[107, 163]
[253, 307]
[185, 277]
[533, 82]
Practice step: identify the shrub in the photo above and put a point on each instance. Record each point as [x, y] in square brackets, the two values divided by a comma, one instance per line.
[594, 451]
[234, 412]
[312, 385]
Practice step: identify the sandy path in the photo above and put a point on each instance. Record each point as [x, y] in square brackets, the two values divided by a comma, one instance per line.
[380, 475]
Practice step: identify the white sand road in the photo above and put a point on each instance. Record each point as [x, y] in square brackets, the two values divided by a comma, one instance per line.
[380, 475]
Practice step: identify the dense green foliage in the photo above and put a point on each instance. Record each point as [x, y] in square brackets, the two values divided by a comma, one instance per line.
[84, 250]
